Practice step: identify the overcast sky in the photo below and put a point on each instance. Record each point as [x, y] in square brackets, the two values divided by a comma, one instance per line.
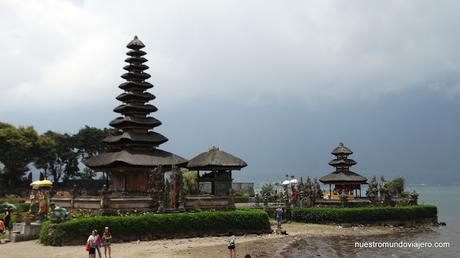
[277, 83]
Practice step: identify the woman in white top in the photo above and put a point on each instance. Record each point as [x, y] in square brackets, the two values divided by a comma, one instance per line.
[91, 243]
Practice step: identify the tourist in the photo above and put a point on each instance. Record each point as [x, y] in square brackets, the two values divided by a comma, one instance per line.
[231, 245]
[6, 219]
[91, 244]
[98, 244]
[2, 226]
[279, 216]
[106, 241]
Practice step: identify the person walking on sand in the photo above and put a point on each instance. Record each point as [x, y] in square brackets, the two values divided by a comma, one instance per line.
[279, 216]
[232, 245]
[106, 241]
[6, 220]
[2, 226]
[98, 244]
[91, 244]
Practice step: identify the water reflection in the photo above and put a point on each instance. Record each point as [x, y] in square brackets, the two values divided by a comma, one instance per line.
[344, 246]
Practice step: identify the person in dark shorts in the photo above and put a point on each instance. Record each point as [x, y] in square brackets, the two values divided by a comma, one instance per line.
[106, 242]
[232, 245]
[6, 219]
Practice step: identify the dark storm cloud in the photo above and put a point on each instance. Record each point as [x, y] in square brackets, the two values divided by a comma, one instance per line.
[279, 82]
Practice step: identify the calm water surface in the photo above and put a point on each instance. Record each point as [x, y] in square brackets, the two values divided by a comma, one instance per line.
[447, 198]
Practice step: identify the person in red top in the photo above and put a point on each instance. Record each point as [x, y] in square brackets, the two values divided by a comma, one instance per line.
[2, 227]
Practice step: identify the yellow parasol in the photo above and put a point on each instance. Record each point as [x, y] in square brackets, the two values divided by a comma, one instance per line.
[42, 183]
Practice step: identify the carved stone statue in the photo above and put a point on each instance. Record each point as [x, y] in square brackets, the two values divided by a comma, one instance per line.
[413, 198]
[257, 200]
[319, 191]
[373, 191]
[385, 194]
[265, 199]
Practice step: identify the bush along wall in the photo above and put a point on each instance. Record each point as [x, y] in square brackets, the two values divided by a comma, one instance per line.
[156, 226]
[368, 215]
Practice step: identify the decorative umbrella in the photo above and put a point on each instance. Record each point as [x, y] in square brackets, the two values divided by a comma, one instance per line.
[42, 183]
[286, 182]
[293, 181]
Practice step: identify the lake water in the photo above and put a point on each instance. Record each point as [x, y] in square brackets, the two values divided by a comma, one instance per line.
[446, 198]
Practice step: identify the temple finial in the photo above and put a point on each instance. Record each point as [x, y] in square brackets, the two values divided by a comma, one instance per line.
[135, 43]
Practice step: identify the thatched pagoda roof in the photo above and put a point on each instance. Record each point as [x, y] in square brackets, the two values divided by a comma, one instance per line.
[341, 149]
[342, 162]
[131, 158]
[343, 177]
[215, 159]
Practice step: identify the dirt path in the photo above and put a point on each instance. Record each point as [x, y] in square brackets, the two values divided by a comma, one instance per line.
[258, 246]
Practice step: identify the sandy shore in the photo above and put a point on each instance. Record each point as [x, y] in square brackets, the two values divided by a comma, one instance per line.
[257, 246]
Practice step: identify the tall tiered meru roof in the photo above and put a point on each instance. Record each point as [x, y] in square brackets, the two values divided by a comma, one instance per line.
[135, 144]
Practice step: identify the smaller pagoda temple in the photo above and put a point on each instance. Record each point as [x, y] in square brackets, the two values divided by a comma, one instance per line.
[216, 167]
[344, 180]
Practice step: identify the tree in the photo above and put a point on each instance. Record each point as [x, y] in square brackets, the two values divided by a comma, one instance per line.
[87, 173]
[190, 185]
[396, 186]
[89, 142]
[18, 147]
[45, 156]
[57, 157]
[267, 190]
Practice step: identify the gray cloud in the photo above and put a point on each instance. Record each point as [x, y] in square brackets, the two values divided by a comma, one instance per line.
[262, 78]
[58, 52]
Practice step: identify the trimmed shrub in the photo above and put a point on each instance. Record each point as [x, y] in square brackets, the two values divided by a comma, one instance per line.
[155, 226]
[23, 207]
[364, 215]
[241, 197]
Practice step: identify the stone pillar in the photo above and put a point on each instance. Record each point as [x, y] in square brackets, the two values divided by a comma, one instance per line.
[105, 200]
[157, 193]
[174, 186]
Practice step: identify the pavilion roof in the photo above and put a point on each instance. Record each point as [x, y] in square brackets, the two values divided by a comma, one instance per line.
[215, 159]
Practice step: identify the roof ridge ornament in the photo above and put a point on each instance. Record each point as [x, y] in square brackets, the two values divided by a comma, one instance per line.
[136, 44]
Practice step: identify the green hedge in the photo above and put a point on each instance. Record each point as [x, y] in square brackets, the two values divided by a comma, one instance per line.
[23, 207]
[364, 215]
[154, 226]
[241, 197]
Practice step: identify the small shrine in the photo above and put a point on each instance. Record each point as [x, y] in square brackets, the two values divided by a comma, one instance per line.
[214, 168]
[345, 181]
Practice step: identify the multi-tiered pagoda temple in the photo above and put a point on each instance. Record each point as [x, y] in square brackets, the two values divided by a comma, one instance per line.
[133, 160]
[344, 180]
